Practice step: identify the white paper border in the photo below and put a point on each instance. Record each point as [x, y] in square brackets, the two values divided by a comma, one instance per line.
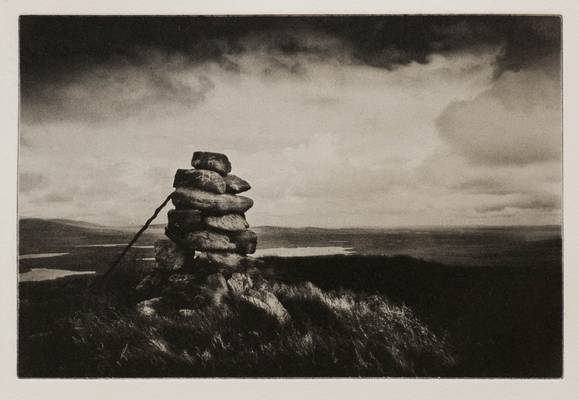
[13, 388]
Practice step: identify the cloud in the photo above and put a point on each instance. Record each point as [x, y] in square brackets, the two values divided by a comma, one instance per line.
[338, 141]
[517, 121]
[117, 91]
[30, 181]
[541, 202]
[51, 45]
[325, 135]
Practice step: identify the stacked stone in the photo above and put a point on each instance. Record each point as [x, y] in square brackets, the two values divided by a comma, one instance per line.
[208, 232]
[206, 259]
[208, 229]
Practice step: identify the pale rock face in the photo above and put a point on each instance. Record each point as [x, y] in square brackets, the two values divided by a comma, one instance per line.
[185, 312]
[211, 203]
[235, 184]
[149, 308]
[182, 282]
[169, 256]
[202, 179]
[212, 161]
[228, 222]
[239, 283]
[267, 302]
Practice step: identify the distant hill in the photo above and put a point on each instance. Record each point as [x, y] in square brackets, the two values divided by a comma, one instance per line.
[44, 235]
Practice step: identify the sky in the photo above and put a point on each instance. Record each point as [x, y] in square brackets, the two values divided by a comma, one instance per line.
[352, 121]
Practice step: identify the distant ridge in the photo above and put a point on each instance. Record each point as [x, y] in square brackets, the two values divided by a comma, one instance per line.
[264, 228]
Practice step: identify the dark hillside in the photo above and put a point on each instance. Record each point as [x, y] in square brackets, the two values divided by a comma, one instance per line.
[372, 316]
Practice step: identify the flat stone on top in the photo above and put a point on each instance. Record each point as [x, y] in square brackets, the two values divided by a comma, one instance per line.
[212, 161]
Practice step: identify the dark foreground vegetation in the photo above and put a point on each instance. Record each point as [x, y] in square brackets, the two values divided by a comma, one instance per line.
[350, 316]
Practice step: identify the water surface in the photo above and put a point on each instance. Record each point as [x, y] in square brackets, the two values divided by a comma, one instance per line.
[46, 274]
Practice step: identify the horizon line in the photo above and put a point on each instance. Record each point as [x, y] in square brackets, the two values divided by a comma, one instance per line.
[64, 220]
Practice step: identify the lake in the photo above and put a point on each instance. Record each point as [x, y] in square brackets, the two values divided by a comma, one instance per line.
[90, 251]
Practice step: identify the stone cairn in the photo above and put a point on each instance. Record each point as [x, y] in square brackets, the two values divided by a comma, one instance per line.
[206, 255]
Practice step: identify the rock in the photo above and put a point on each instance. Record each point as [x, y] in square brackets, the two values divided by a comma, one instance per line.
[227, 222]
[267, 302]
[245, 241]
[226, 263]
[169, 256]
[185, 312]
[202, 292]
[183, 221]
[183, 282]
[235, 184]
[207, 241]
[239, 283]
[212, 161]
[149, 308]
[218, 286]
[151, 283]
[200, 179]
[211, 203]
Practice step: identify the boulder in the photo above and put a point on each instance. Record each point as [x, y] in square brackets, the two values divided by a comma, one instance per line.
[267, 302]
[207, 241]
[217, 286]
[151, 283]
[149, 308]
[239, 283]
[199, 292]
[187, 313]
[202, 179]
[245, 241]
[182, 282]
[234, 184]
[227, 222]
[183, 221]
[210, 203]
[212, 161]
[169, 256]
[224, 262]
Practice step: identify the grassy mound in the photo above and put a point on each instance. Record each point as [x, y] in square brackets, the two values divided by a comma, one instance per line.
[350, 316]
[330, 333]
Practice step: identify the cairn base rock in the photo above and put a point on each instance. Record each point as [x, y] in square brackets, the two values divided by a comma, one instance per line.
[169, 256]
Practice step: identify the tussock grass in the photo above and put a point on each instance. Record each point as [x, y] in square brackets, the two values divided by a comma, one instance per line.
[350, 316]
[330, 333]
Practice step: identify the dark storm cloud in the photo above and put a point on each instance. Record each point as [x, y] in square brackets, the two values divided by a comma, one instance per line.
[115, 91]
[53, 46]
